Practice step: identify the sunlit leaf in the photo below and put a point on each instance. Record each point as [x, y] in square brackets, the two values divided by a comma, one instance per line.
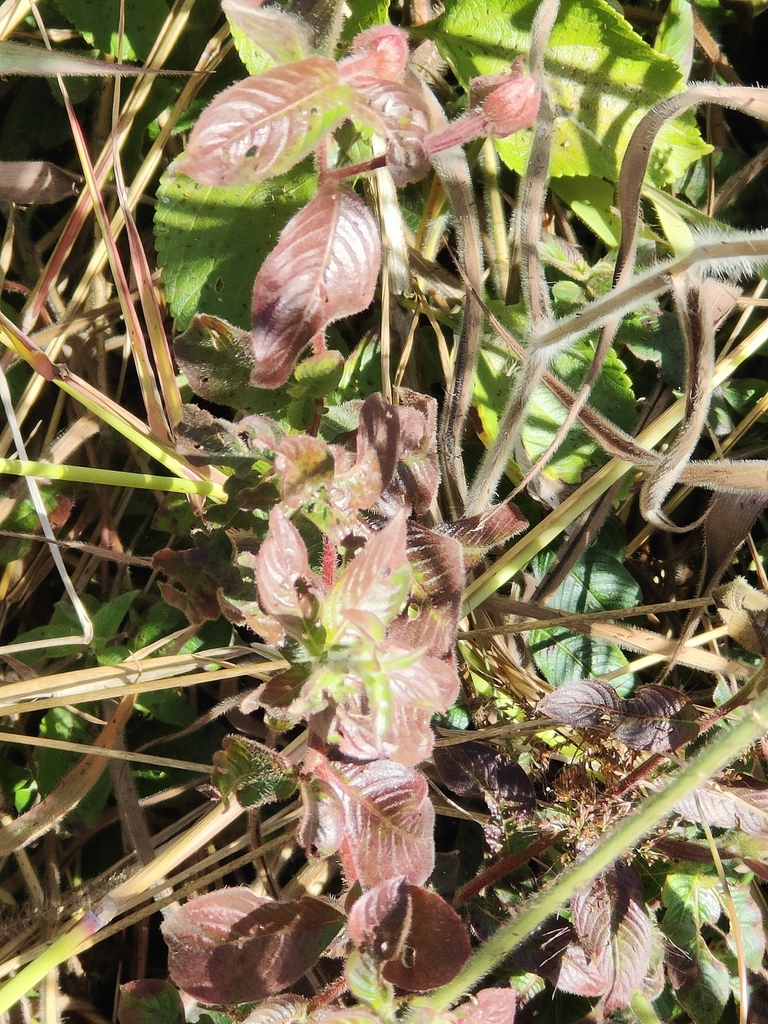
[281, 34]
[203, 272]
[232, 946]
[376, 581]
[261, 127]
[388, 820]
[252, 772]
[150, 1001]
[286, 587]
[602, 78]
[489, 1006]
[436, 945]
[325, 266]
[732, 807]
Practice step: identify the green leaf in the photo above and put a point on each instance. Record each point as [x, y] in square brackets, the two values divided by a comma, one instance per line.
[211, 241]
[612, 396]
[703, 986]
[252, 772]
[676, 34]
[597, 582]
[107, 620]
[150, 1001]
[53, 765]
[750, 923]
[602, 79]
[97, 21]
[691, 900]
[364, 14]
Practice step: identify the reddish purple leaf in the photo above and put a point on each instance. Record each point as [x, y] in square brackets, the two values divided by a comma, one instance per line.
[402, 730]
[279, 33]
[477, 769]
[376, 581]
[432, 616]
[388, 821]
[286, 587]
[232, 946]
[321, 831]
[381, 919]
[480, 533]
[613, 925]
[553, 952]
[585, 704]
[399, 113]
[378, 434]
[195, 575]
[731, 807]
[657, 718]
[489, 1006]
[378, 53]
[435, 948]
[418, 474]
[325, 266]
[261, 127]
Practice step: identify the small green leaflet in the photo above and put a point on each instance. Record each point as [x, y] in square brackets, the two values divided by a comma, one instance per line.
[602, 79]
[253, 773]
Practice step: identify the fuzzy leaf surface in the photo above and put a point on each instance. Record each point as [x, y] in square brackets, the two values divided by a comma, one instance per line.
[657, 718]
[388, 821]
[614, 927]
[215, 940]
[325, 266]
[203, 272]
[376, 581]
[279, 33]
[150, 1001]
[286, 590]
[729, 807]
[489, 1006]
[252, 772]
[602, 78]
[261, 127]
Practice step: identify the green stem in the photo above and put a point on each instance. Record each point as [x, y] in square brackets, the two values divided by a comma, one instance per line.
[112, 478]
[722, 751]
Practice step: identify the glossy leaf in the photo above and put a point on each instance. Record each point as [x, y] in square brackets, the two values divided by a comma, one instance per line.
[261, 127]
[279, 33]
[388, 820]
[252, 772]
[232, 946]
[325, 266]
